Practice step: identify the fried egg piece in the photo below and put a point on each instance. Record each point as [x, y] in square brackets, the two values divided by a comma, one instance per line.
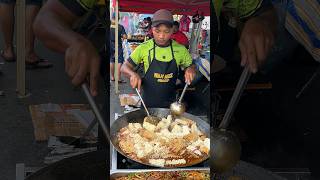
[148, 126]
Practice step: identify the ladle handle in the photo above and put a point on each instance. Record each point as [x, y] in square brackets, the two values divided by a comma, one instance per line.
[183, 92]
[245, 76]
[95, 110]
[144, 105]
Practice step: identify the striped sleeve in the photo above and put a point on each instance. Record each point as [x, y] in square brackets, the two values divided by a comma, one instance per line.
[302, 22]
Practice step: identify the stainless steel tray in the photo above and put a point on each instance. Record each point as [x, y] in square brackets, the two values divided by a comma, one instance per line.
[243, 171]
[120, 173]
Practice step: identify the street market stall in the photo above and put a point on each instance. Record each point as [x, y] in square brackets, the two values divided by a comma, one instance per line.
[195, 12]
[197, 9]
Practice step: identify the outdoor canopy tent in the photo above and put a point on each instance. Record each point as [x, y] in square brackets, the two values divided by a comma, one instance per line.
[181, 7]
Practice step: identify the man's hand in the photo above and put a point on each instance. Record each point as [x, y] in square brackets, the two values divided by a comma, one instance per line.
[53, 26]
[189, 74]
[135, 81]
[81, 60]
[257, 38]
[127, 70]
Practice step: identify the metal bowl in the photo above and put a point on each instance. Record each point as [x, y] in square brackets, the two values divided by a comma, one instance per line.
[177, 108]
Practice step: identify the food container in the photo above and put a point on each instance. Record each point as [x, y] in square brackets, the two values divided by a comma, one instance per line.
[123, 173]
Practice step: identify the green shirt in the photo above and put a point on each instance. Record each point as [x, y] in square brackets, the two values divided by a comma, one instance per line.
[79, 7]
[144, 52]
[239, 8]
[87, 4]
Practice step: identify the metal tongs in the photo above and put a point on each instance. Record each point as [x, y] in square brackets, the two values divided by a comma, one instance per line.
[151, 119]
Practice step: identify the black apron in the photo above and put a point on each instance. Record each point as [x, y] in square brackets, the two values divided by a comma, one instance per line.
[159, 82]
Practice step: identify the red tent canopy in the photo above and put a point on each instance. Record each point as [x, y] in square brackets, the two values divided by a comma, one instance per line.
[181, 7]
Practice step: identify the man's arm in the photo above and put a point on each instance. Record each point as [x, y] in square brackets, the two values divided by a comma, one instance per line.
[257, 39]
[128, 66]
[53, 27]
[127, 70]
[190, 71]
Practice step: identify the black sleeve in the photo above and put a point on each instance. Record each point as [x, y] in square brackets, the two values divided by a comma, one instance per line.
[131, 62]
[265, 5]
[74, 6]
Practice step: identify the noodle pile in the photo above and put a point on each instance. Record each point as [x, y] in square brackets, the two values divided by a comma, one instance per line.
[175, 175]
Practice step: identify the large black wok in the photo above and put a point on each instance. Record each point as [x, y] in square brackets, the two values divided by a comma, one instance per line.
[138, 116]
[92, 166]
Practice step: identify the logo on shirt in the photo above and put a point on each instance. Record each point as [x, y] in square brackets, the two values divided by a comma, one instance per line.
[163, 78]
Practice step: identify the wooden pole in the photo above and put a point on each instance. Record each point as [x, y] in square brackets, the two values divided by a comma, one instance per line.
[191, 48]
[197, 37]
[21, 46]
[116, 55]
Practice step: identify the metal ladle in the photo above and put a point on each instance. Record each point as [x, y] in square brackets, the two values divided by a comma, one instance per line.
[95, 109]
[177, 108]
[225, 145]
[151, 119]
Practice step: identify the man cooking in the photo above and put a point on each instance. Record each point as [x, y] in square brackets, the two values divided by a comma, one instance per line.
[161, 58]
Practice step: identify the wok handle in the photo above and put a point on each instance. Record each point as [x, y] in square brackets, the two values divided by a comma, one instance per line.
[95, 110]
[245, 76]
